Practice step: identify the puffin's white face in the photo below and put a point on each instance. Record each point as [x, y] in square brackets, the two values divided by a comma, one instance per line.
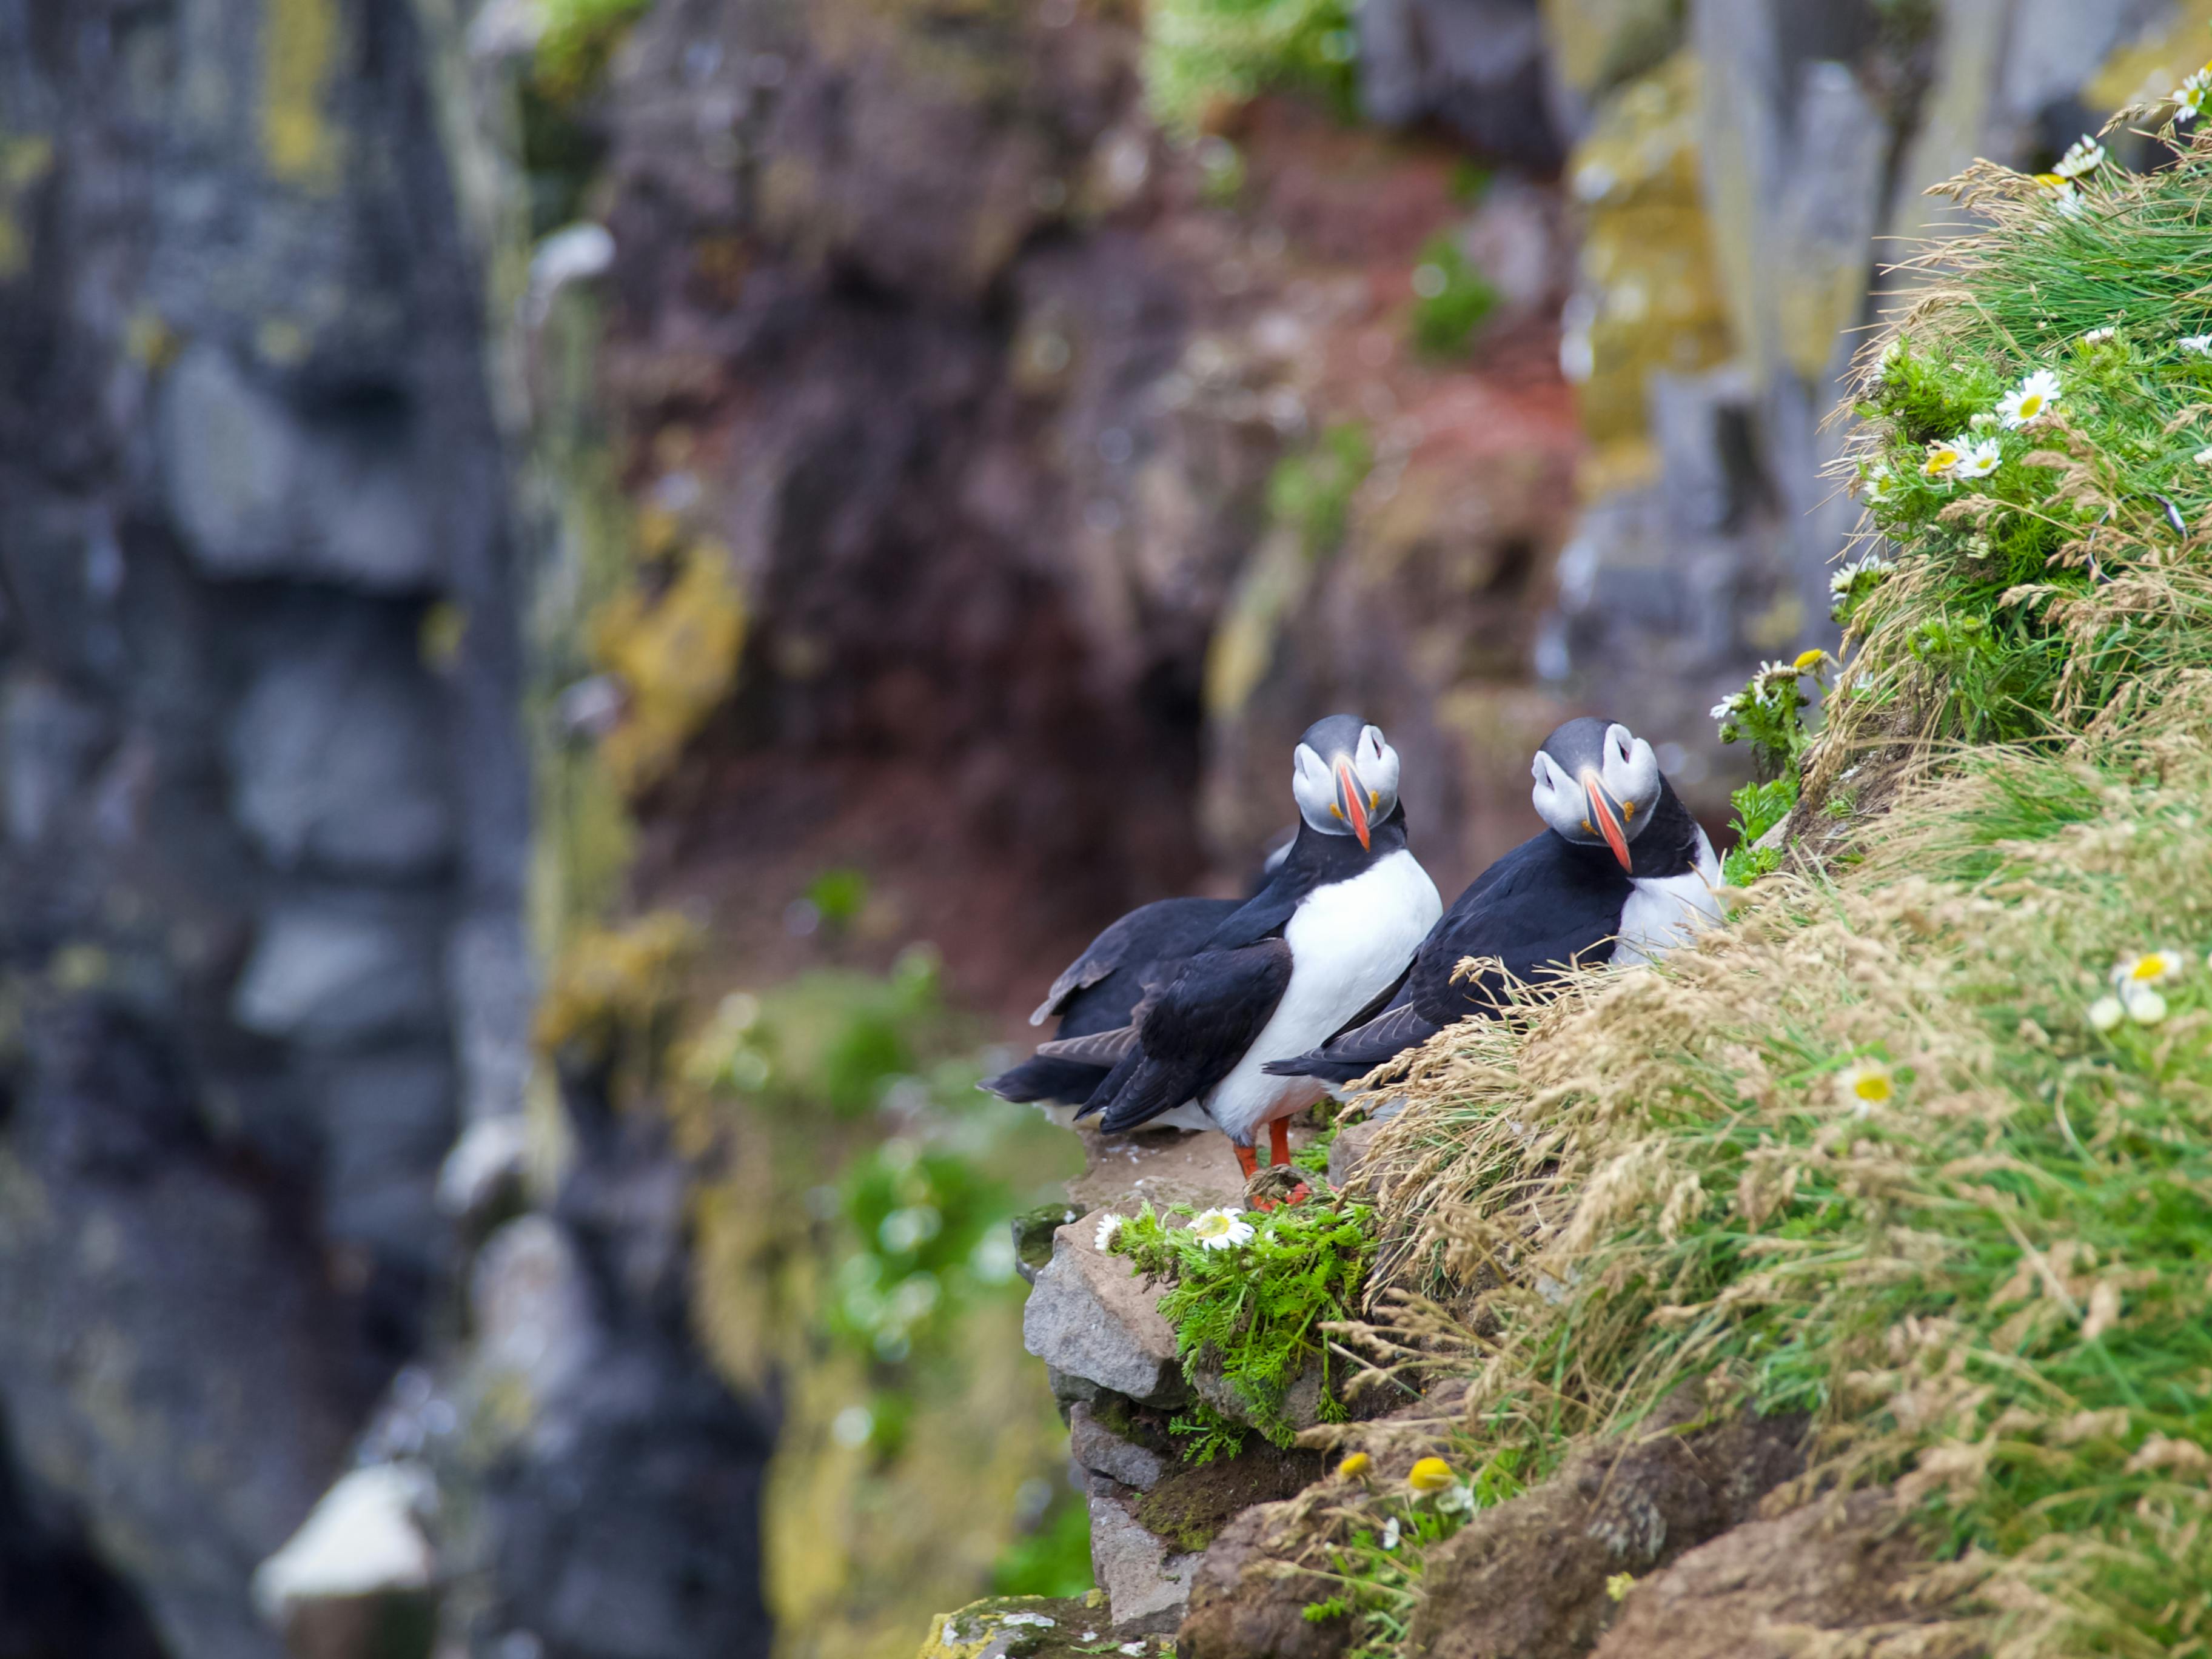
[1348, 791]
[1595, 789]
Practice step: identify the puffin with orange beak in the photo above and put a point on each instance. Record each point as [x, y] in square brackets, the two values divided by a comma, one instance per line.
[1327, 936]
[1621, 874]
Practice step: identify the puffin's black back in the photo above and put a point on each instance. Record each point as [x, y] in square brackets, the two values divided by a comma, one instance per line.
[1143, 945]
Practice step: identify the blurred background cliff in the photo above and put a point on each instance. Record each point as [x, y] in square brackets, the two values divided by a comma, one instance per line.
[593, 594]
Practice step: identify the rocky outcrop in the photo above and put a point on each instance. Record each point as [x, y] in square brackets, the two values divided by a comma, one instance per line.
[1838, 1574]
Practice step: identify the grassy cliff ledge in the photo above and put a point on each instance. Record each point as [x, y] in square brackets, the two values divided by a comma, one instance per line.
[1919, 1148]
[1843, 1286]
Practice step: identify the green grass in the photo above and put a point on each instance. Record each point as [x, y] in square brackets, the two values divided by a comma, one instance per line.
[1451, 300]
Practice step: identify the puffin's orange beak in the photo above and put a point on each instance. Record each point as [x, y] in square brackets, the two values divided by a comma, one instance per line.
[1606, 822]
[1355, 810]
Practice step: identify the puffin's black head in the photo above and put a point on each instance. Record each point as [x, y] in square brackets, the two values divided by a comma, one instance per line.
[1597, 784]
[1344, 777]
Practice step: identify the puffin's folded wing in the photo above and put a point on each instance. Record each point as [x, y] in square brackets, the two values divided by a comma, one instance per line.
[1355, 1052]
[1191, 1031]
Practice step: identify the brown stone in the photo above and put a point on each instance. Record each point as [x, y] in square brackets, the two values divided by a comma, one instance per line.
[1765, 1588]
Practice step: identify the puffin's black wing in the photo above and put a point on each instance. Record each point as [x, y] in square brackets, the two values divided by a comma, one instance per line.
[1542, 906]
[1100, 990]
[1195, 1031]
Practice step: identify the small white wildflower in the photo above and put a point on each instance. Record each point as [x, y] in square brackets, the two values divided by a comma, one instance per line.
[2096, 336]
[2106, 1013]
[2149, 968]
[2145, 1007]
[1943, 455]
[1978, 461]
[1864, 1085]
[2202, 457]
[2189, 102]
[2085, 155]
[2061, 193]
[2028, 400]
[1109, 1228]
[1872, 565]
[1390, 1534]
[2199, 343]
[1728, 706]
[1220, 1230]
[1877, 488]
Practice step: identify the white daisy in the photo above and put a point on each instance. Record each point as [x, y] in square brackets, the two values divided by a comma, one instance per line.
[1864, 1085]
[2189, 102]
[1109, 1228]
[2149, 968]
[2199, 343]
[1872, 565]
[2096, 335]
[1727, 706]
[1978, 461]
[1943, 455]
[2028, 400]
[2085, 155]
[1220, 1230]
[1877, 485]
[2060, 193]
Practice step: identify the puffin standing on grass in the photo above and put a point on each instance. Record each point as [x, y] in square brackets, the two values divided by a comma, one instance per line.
[1622, 874]
[1330, 933]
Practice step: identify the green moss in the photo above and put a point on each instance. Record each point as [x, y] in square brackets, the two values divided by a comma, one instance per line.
[1310, 492]
[1452, 299]
[1202, 54]
[1191, 1506]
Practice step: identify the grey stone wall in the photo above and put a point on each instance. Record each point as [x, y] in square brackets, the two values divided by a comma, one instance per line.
[265, 806]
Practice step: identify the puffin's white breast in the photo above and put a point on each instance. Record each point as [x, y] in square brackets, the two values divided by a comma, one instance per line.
[1348, 940]
[1663, 911]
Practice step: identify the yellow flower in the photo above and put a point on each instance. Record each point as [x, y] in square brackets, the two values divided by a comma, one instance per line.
[1355, 1466]
[1864, 1085]
[1618, 1586]
[1430, 1474]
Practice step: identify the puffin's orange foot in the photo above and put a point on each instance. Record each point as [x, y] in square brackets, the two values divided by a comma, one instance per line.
[1247, 1158]
[1298, 1194]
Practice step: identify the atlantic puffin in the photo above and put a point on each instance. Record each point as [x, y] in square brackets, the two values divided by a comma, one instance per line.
[1330, 933]
[1621, 874]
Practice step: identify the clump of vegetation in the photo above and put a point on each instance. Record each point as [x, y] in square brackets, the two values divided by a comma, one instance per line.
[1203, 55]
[1311, 492]
[1921, 1145]
[1768, 714]
[1451, 300]
[1251, 1293]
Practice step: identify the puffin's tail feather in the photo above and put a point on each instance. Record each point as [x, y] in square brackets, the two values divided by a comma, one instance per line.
[1060, 1082]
